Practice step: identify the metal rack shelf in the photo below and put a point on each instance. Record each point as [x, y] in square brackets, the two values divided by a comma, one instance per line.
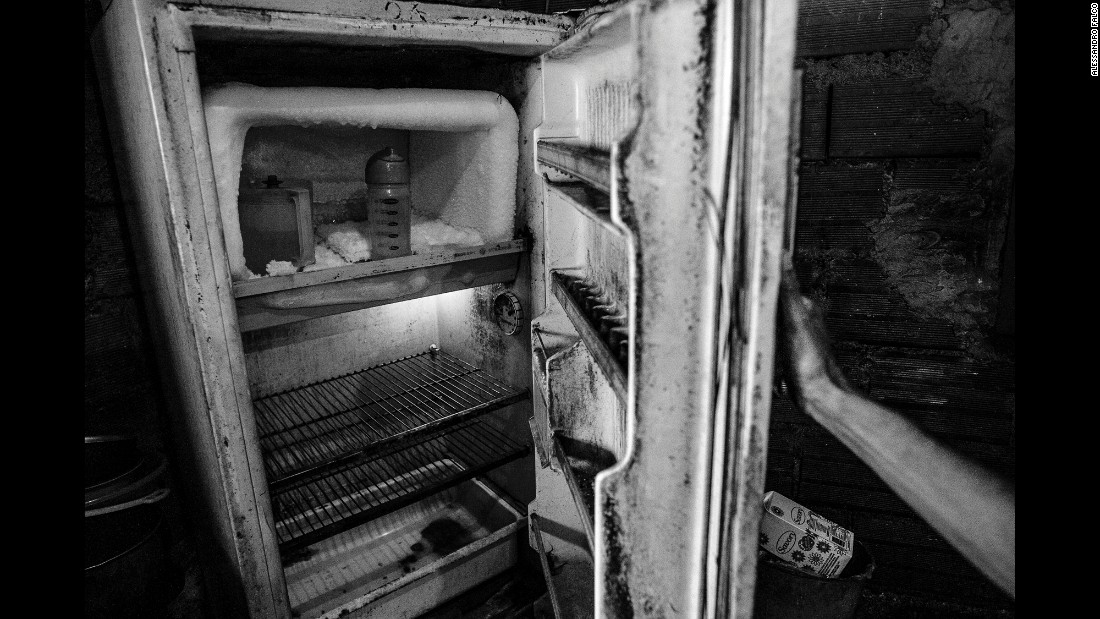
[334, 500]
[322, 425]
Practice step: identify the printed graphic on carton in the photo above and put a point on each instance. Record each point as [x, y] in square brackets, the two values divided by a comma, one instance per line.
[803, 537]
[840, 536]
[785, 543]
[807, 542]
[798, 515]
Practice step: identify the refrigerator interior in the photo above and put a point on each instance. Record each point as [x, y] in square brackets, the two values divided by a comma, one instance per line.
[594, 407]
[573, 281]
[394, 427]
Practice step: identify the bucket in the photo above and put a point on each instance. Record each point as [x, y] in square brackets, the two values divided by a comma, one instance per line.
[127, 566]
[107, 458]
[786, 592]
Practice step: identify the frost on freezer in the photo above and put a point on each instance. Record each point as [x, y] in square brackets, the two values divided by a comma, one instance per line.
[349, 242]
[280, 267]
[326, 258]
[433, 233]
[460, 146]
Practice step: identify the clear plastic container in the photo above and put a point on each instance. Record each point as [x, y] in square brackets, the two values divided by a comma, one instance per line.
[276, 223]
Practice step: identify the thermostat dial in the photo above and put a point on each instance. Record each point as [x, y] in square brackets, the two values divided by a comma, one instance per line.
[507, 312]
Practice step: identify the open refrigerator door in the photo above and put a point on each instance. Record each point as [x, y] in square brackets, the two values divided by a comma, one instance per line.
[667, 147]
[365, 437]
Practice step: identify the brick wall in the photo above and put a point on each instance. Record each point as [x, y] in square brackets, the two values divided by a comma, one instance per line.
[120, 383]
[904, 199]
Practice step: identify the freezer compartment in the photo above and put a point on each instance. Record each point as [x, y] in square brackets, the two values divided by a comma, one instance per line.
[460, 146]
[459, 200]
[405, 563]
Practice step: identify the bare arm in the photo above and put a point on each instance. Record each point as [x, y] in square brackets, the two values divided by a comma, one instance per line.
[974, 510]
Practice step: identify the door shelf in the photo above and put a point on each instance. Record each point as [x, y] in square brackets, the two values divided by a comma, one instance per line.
[282, 299]
[590, 165]
[551, 334]
[611, 364]
[335, 500]
[347, 418]
[590, 202]
[579, 462]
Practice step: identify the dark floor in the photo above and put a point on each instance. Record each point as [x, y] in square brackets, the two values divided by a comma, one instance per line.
[189, 604]
[894, 606]
[519, 593]
[512, 595]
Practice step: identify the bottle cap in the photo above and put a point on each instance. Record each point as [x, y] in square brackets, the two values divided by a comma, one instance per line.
[387, 167]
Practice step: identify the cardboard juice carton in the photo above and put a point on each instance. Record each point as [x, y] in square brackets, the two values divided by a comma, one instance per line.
[802, 538]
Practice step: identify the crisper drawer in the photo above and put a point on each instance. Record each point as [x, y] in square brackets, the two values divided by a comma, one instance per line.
[409, 561]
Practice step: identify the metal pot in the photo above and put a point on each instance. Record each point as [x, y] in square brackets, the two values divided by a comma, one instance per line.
[138, 481]
[786, 592]
[127, 567]
[108, 457]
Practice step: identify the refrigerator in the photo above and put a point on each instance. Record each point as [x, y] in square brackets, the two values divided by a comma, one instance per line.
[557, 334]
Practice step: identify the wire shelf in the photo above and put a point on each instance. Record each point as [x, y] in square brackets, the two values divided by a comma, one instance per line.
[309, 429]
[320, 505]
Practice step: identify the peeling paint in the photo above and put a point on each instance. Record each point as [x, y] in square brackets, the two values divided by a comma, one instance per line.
[929, 249]
[939, 239]
[975, 66]
[860, 68]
